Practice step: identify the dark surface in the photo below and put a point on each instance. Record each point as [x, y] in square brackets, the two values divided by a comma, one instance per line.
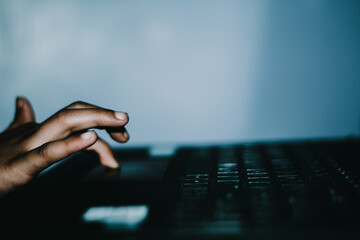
[273, 190]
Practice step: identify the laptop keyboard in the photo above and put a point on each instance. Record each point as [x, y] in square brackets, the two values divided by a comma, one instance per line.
[259, 185]
[265, 189]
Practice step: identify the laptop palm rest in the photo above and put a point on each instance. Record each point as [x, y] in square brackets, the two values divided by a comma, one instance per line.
[131, 170]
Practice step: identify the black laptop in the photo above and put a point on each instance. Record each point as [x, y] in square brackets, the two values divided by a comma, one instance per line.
[308, 189]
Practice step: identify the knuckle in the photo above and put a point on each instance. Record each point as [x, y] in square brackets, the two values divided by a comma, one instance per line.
[58, 116]
[77, 104]
[43, 152]
[63, 116]
[68, 146]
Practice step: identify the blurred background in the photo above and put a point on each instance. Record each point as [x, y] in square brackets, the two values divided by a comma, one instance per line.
[189, 71]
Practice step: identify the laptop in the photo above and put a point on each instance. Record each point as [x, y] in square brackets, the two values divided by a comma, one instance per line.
[308, 189]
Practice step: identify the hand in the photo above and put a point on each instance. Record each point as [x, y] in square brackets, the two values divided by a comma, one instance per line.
[27, 148]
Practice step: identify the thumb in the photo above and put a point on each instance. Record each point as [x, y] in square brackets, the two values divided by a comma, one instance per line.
[23, 114]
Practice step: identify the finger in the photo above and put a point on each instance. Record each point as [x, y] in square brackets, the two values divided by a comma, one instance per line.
[29, 114]
[118, 134]
[44, 156]
[68, 121]
[105, 153]
[23, 114]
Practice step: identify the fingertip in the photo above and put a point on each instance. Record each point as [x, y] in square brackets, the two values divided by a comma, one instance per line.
[126, 135]
[27, 111]
[20, 113]
[105, 153]
[88, 136]
[19, 102]
[112, 163]
[121, 115]
[121, 137]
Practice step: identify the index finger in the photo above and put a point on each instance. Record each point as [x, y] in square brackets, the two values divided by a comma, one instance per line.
[119, 134]
[68, 121]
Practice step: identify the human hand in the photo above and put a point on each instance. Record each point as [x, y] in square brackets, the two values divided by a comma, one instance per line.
[27, 148]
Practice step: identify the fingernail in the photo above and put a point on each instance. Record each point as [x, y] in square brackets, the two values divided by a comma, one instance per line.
[126, 135]
[121, 115]
[88, 135]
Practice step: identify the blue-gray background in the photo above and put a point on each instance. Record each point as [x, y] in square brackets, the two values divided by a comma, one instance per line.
[189, 71]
